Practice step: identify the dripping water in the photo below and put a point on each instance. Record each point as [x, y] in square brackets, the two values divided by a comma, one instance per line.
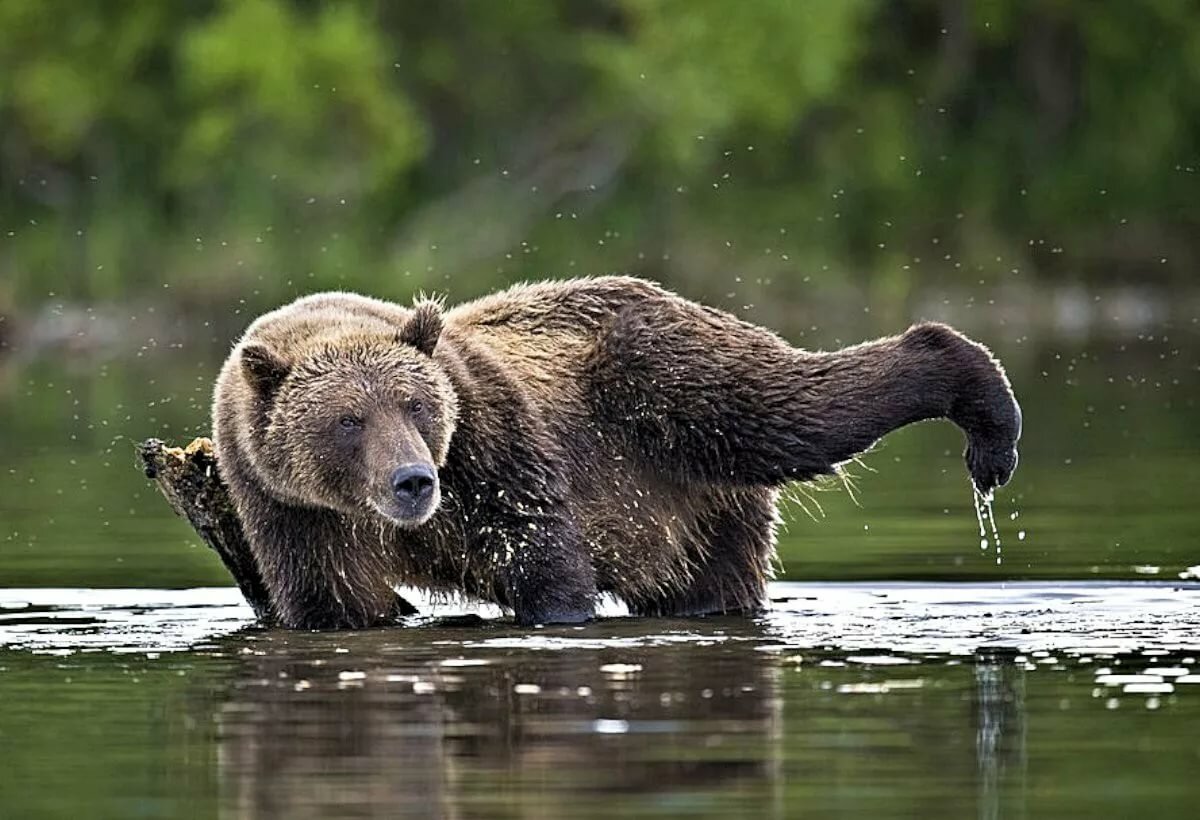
[983, 544]
[985, 515]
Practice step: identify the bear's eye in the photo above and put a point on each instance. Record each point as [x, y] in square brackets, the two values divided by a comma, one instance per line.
[350, 422]
[416, 406]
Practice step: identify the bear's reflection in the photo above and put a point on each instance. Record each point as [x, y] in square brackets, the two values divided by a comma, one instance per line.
[396, 723]
[606, 720]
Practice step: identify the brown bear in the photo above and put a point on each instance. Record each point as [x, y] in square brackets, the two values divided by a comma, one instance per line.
[554, 442]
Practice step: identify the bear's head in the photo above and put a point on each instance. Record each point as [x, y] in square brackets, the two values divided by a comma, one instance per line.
[358, 422]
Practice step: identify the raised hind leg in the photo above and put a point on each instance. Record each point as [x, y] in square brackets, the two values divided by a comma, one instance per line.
[700, 395]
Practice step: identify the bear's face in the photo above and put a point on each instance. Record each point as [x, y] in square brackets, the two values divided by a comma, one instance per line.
[361, 425]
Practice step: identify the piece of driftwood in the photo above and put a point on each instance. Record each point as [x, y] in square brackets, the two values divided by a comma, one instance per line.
[189, 479]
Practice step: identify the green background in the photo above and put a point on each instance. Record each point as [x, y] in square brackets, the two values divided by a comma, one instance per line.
[250, 149]
[834, 170]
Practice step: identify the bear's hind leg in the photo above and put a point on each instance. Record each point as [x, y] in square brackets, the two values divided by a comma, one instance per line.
[701, 395]
[734, 552]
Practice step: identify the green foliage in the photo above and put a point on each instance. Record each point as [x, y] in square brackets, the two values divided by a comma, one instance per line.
[269, 85]
[250, 149]
[691, 68]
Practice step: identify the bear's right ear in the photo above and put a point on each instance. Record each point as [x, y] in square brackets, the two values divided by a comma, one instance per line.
[423, 328]
[263, 369]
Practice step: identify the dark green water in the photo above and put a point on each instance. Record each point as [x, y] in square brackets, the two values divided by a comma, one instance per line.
[868, 700]
[863, 700]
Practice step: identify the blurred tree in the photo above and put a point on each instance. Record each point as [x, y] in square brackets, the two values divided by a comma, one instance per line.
[250, 149]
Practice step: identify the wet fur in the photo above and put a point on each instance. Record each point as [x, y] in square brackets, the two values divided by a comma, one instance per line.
[592, 436]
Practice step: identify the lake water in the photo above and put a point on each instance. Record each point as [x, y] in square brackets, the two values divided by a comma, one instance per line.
[1059, 681]
[871, 700]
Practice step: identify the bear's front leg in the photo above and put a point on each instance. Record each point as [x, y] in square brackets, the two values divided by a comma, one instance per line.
[322, 576]
[547, 577]
[321, 571]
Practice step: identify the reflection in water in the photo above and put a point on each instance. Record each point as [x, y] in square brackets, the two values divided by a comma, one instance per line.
[1000, 733]
[906, 701]
[310, 752]
[374, 728]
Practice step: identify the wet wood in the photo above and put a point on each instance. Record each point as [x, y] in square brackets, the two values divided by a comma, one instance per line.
[189, 479]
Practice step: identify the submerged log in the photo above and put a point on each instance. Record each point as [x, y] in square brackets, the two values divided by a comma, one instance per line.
[192, 485]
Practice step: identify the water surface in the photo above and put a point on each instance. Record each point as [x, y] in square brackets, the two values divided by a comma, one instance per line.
[897, 700]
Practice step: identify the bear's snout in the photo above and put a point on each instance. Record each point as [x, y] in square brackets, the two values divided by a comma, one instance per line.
[413, 486]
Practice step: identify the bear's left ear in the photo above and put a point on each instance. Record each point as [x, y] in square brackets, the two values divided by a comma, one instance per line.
[423, 327]
[263, 369]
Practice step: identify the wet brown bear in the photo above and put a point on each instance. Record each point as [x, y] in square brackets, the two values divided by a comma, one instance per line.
[553, 442]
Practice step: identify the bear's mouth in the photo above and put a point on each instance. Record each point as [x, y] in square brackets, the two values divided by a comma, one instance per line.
[408, 512]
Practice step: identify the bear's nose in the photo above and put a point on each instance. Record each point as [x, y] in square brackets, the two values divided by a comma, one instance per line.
[413, 482]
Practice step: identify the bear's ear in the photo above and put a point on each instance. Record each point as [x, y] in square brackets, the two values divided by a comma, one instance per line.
[423, 327]
[263, 369]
